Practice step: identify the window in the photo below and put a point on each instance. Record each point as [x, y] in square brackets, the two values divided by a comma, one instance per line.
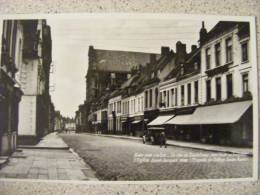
[196, 91]
[168, 98]
[244, 49]
[218, 88]
[114, 109]
[196, 66]
[208, 58]
[217, 54]
[142, 104]
[172, 97]
[208, 90]
[182, 69]
[158, 72]
[245, 82]
[229, 54]
[182, 95]
[119, 107]
[139, 105]
[161, 100]
[113, 75]
[156, 96]
[229, 86]
[134, 105]
[189, 93]
[146, 99]
[151, 98]
[164, 98]
[176, 96]
[152, 75]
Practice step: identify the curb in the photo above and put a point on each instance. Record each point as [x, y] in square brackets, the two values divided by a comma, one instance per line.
[83, 162]
[39, 147]
[177, 145]
[5, 162]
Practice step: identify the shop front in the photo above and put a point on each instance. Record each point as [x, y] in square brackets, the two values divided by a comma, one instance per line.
[223, 124]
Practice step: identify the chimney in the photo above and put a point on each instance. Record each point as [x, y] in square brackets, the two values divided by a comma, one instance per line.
[203, 33]
[193, 47]
[165, 50]
[152, 58]
[180, 48]
[91, 54]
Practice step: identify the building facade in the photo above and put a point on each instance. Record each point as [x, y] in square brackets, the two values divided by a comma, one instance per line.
[203, 95]
[35, 106]
[10, 92]
[210, 99]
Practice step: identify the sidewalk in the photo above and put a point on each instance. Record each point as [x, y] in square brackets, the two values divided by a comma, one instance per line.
[50, 141]
[50, 159]
[208, 147]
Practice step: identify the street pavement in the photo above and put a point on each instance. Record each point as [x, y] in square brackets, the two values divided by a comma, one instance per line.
[129, 159]
[201, 146]
[50, 159]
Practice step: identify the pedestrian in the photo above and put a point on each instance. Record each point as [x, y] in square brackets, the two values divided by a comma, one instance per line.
[162, 139]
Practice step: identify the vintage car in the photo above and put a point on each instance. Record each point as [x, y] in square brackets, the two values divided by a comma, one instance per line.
[153, 135]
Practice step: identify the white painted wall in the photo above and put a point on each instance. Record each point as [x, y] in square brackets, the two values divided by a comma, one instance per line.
[27, 116]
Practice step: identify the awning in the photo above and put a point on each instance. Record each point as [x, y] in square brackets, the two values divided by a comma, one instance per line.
[137, 121]
[155, 128]
[160, 120]
[217, 114]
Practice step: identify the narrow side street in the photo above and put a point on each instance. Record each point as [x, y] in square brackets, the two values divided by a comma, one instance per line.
[117, 159]
[50, 159]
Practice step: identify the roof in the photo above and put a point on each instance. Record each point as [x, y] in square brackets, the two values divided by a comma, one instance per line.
[118, 61]
[223, 26]
[129, 81]
[217, 114]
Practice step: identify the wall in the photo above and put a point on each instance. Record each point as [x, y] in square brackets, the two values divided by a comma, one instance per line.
[27, 116]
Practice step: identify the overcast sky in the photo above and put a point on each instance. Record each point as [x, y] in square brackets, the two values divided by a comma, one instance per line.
[72, 37]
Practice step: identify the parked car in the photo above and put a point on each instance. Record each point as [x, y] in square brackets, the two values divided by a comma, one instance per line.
[153, 135]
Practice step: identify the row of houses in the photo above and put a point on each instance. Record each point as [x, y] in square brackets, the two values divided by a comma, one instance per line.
[202, 95]
[26, 108]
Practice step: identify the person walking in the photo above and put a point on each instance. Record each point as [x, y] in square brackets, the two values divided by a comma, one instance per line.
[162, 140]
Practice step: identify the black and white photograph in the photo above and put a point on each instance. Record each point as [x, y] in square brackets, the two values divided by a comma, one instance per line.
[128, 97]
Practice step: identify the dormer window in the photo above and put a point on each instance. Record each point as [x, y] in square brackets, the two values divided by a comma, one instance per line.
[196, 66]
[113, 75]
[152, 75]
[182, 69]
[158, 72]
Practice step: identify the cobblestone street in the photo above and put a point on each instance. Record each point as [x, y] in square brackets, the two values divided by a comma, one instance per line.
[114, 159]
